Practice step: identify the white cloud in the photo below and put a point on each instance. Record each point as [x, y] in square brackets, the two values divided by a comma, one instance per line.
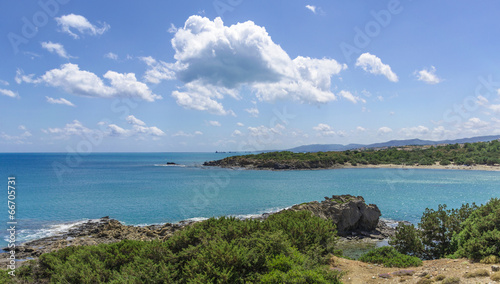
[17, 139]
[350, 97]
[158, 70]
[5, 83]
[413, 132]
[56, 48]
[81, 24]
[428, 76]
[253, 111]
[9, 93]
[372, 64]
[360, 129]
[184, 134]
[475, 123]
[70, 78]
[200, 97]
[240, 124]
[73, 128]
[324, 129]
[60, 101]
[262, 131]
[213, 123]
[311, 8]
[380, 98]
[236, 133]
[215, 61]
[135, 121]
[111, 55]
[384, 130]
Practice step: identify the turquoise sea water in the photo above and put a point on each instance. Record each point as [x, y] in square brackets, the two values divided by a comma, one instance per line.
[56, 190]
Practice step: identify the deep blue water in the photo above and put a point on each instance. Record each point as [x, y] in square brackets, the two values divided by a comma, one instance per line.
[57, 190]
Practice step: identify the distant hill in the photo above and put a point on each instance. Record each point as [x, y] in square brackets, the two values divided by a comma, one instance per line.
[392, 143]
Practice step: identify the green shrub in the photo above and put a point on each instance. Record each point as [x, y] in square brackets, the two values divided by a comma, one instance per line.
[292, 247]
[490, 259]
[440, 277]
[480, 236]
[390, 257]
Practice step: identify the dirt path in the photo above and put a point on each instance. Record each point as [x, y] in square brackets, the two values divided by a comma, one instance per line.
[363, 273]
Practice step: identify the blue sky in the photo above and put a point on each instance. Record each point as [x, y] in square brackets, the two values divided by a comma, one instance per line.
[232, 75]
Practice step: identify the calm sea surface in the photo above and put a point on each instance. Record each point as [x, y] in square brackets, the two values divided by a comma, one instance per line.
[54, 191]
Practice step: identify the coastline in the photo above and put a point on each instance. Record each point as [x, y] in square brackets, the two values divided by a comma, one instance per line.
[379, 166]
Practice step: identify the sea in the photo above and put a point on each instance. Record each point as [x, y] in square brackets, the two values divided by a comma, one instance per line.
[55, 191]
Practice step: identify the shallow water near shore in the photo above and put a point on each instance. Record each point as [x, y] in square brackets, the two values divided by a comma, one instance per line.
[55, 191]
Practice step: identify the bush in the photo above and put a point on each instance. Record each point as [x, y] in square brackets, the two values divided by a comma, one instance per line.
[495, 276]
[292, 247]
[480, 236]
[389, 257]
[491, 259]
[433, 237]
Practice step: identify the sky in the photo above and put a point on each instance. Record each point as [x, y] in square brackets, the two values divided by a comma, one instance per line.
[240, 75]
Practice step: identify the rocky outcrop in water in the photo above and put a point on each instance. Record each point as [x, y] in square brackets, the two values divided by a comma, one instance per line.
[350, 214]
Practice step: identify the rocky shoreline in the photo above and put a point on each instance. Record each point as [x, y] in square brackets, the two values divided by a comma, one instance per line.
[354, 218]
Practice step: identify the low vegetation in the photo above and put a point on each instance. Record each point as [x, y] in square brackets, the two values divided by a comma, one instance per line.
[480, 153]
[389, 257]
[291, 247]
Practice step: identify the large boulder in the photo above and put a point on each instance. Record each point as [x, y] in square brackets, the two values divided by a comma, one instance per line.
[350, 213]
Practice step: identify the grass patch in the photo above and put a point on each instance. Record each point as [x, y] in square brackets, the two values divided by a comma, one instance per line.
[451, 280]
[495, 276]
[477, 273]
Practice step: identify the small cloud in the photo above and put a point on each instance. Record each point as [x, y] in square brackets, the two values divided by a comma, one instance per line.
[380, 98]
[475, 123]
[253, 111]
[213, 123]
[60, 101]
[360, 129]
[240, 124]
[384, 130]
[236, 133]
[198, 133]
[372, 64]
[135, 121]
[428, 76]
[350, 97]
[56, 48]
[9, 93]
[311, 8]
[324, 129]
[5, 83]
[70, 23]
[111, 55]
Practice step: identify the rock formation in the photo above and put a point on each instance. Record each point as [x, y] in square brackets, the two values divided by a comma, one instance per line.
[350, 214]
